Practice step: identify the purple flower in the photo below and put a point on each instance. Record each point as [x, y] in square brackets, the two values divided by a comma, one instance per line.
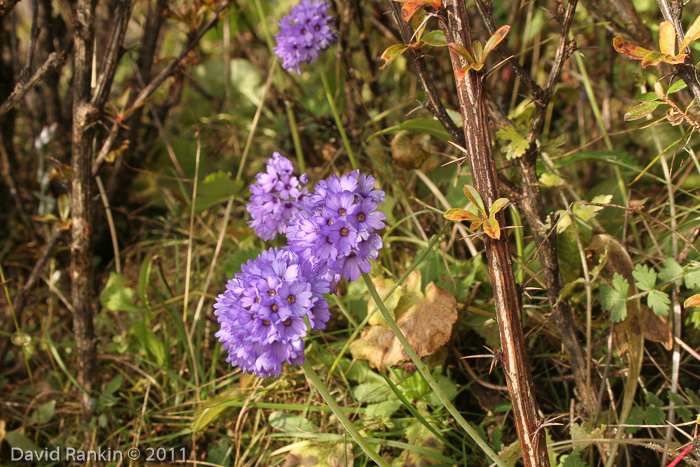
[335, 229]
[275, 198]
[263, 308]
[304, 32]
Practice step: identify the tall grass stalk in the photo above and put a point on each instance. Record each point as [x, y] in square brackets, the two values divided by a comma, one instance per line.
[461, 421]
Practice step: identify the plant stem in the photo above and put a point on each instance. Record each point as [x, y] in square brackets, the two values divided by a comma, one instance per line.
[295, 136]
[338, 120]
[428, 377]
[321, 388]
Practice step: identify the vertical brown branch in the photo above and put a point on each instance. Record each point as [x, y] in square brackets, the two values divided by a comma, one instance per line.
[84, 115]
[507, 295]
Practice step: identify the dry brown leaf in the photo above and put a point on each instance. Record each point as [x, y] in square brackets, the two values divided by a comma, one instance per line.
[427, 324]
[655, 328]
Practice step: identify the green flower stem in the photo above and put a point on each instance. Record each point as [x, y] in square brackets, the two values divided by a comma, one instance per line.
[295, 136]
[466, 426]
[338, 121]
[321, 388]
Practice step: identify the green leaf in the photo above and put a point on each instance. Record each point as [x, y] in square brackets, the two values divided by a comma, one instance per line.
[392, 53]
[44, 413]
[647, 96]
[644, 276]
[476, 199]
[641, 110]
[517, 144]
[655, 415]
[675, 87]
[572, 460]
[461, 51]
[216, 188]
[692, 279]
[116, 296]
[291, 423]
[653, 399]
[671, 270]
[497, 205]
[115, 384]
[659, 302]
[17, 439]
[149, 341]
[63, 202]
[550, 179]
[614, 299]
[434, 38]
[426, 126]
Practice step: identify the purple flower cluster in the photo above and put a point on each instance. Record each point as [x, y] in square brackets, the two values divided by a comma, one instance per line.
[275, 197]
[304, 32]
[267, 307]
[263, 309]
[335, 228]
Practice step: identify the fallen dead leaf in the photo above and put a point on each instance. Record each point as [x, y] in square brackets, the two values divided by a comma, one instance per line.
[426, 322]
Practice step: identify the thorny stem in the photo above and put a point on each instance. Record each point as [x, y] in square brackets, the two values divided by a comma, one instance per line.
[507, 296]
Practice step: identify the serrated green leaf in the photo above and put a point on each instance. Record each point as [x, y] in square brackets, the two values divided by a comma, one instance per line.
[659, 302]
[517, 144]
[692, 279]
[586, 212]
[549, 179]
[644, 276]
[641, 110]
[614, 299]
[572, 460]
[116, 296]
[655, 415]
[671, 270]
[653, 399]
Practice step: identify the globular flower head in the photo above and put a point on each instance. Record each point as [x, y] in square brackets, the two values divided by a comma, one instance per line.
[263, 309]
[275, 197]
[304, 32]
[335, 227]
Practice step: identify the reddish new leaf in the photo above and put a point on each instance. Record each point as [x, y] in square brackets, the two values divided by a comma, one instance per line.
[458, 214]
[630, 50]
[495, 39]
[492, 228]
[461, 51]
[462, 72]
[392, 53]
[667, 38]
[475, 225]
[692, 301]
[409, 9]
[692, 34]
